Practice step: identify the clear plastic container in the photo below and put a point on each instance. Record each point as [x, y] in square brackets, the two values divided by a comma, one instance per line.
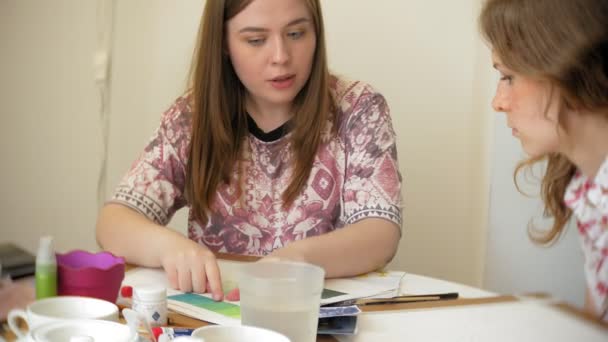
[282, 296]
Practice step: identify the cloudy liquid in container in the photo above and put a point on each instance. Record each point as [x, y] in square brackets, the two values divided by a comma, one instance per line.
[298, 324]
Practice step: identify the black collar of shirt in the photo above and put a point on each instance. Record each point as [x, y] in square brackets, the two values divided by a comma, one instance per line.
[271, 136]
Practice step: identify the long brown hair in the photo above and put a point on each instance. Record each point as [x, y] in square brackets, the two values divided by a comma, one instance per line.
[219, 118]
[566, 43]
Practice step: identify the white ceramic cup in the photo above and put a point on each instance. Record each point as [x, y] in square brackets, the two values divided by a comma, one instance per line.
[243, 333]
[61, 308]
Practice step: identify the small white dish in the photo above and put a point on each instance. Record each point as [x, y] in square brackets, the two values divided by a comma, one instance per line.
[81, 330]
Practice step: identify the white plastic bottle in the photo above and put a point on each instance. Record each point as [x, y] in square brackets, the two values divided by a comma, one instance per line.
[46, 269]
[151, 302]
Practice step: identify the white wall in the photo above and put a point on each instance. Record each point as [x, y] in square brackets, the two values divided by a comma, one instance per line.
[151, 59]
[423, 55]
[49, 129]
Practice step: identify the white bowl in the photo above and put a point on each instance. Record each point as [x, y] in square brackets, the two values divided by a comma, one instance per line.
[82, 330]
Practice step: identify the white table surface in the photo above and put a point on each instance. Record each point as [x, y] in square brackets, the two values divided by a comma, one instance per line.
[523, 320]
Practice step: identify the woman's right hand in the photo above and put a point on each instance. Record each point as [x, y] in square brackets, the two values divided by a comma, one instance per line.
[191, 267]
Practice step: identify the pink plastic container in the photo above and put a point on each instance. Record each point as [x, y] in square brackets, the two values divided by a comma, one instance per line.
[96, 275]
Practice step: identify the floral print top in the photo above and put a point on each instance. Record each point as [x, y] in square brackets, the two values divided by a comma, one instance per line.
[354, 176]
[588, 199]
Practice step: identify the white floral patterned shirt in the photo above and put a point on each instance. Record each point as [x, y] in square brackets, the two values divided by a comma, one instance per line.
[354, 176]
[588, 199]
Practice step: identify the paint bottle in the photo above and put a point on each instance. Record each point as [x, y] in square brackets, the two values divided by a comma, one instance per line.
[151, 303]
[46, 269]
[172, 333]
[125, 296]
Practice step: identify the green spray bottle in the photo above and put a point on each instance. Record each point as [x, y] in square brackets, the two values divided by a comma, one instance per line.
[46, 269]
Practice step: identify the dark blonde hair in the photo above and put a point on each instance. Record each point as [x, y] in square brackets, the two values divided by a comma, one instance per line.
[219, 118]
[566, 43]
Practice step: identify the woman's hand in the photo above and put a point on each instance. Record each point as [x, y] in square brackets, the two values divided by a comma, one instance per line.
[191, 267]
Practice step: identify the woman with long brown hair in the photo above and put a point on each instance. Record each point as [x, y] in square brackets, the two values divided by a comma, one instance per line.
[553, 59]
[273, 156]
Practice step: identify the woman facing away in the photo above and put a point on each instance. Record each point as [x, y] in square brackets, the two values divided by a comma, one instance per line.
[552, 56]
[273, 156]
